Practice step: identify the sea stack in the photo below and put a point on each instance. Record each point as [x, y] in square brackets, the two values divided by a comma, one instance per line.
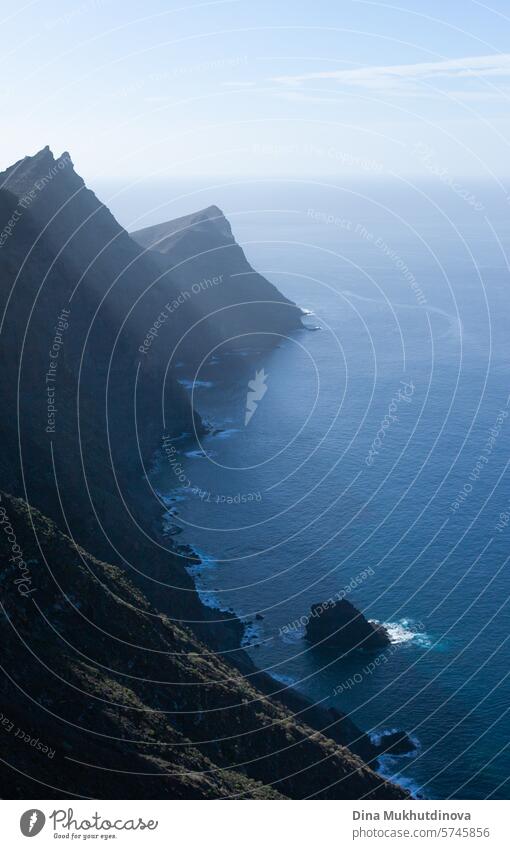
[340, 625]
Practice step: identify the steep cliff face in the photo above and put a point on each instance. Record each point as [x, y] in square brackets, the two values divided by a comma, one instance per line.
[226, 305]
[94, 326]
[77, 298]
[131, 703]
[83, 412]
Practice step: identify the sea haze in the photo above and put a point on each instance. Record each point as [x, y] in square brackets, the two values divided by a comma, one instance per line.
[375, 464]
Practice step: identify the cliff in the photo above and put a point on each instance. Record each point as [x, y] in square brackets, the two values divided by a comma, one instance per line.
[115, 636]
[230, 306]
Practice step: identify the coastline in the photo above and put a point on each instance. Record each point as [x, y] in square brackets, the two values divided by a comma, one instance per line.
[230, 638]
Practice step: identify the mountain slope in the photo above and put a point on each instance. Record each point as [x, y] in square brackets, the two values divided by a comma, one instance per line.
[131, 702]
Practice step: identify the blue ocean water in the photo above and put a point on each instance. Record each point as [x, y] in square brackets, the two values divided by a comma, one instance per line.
[375, 463]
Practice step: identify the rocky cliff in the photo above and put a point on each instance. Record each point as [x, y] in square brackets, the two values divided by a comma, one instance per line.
[226, 305]
[109, 654]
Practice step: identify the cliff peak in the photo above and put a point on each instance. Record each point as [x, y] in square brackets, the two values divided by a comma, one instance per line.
[163, 237]
[30, 168]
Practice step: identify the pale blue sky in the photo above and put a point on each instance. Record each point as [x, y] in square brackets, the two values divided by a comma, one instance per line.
[259, 88]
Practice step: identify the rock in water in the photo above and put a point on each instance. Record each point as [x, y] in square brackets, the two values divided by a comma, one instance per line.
[396, 743]
[341, 625]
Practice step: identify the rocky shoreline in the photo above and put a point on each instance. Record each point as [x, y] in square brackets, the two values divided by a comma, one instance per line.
[331, 618]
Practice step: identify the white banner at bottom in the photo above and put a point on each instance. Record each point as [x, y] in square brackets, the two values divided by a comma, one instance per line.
[252, 825]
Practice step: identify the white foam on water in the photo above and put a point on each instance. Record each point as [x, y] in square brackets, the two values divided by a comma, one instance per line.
[284, 679]
[225, 434]
[198, 454]
[252, 634]
[195, 384]
[406, 631]
[388, 768]
[389, 764]
[377, 738]
[207, 596]
[206, 564]
[211, 600]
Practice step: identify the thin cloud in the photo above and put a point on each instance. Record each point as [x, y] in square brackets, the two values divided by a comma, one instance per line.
[404, 78]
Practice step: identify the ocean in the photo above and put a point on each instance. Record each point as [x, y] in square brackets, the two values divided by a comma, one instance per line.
[374, 464]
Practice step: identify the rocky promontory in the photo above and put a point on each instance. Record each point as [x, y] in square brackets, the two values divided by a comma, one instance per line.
[340, 625]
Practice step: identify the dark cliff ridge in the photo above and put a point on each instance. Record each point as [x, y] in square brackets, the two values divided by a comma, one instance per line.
[340, 625]
[84, 410]
[69, 275]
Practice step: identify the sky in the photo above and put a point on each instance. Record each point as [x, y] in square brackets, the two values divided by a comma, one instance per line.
[237, 87]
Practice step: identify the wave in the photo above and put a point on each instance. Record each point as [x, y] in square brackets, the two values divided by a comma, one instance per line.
[179, 495]
[377, 738]
[388, 768]
[252, 634]
[208, 597]
[196, 384]
[389, 764]
[284, 679]
[205, 564]
[199, 453]
[225, 434]
[407, 631]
